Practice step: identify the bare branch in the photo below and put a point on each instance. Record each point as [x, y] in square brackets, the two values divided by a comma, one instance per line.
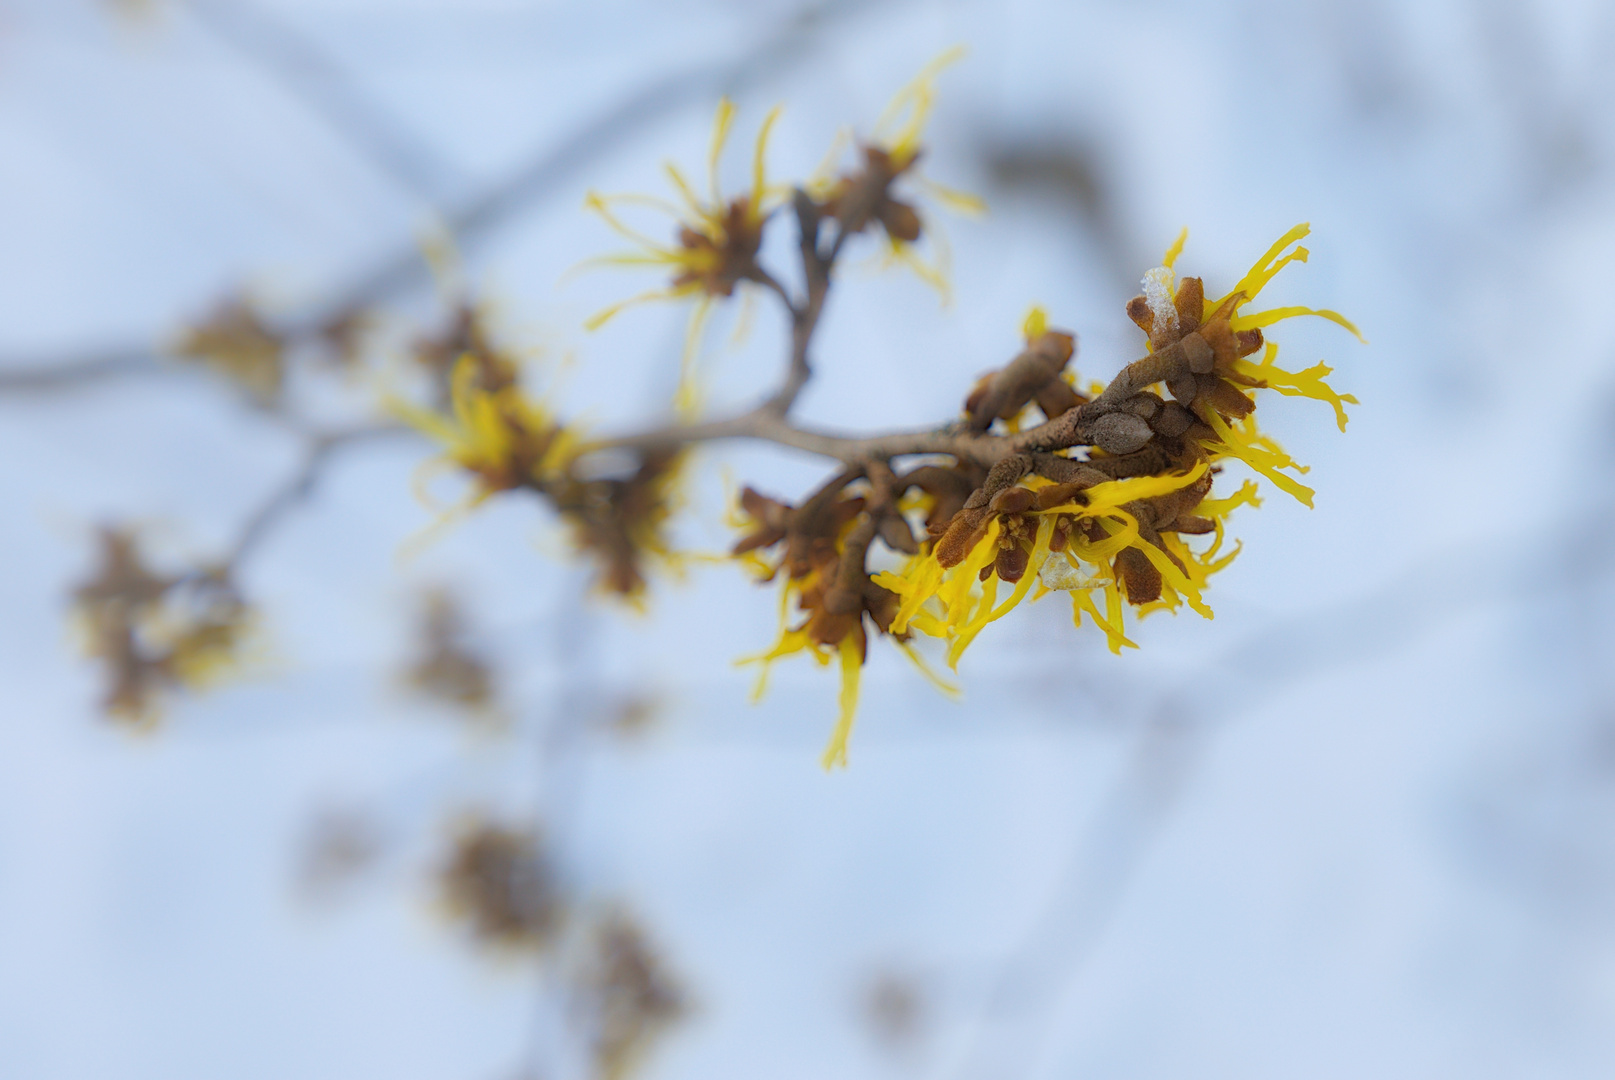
[549, 171]
[299, 486]
[47, 376]
[307, 72]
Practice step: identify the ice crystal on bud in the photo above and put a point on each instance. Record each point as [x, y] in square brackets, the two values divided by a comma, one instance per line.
[1160, 286]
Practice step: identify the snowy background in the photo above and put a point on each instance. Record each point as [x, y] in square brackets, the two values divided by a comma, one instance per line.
[1363, 824]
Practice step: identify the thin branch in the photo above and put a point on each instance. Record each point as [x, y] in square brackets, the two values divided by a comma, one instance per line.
[558, 164]
[764, 425]
[816, 269]
[310, 74]
[299, 486]
[550, 170]
[46, 376]
[767, 424]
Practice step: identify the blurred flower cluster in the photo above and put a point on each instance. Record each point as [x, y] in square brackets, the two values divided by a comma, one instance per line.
[502, 884]
[153, 633]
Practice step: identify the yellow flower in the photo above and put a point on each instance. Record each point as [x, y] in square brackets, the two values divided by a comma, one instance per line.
[502, 437]
[715, 248]
[1235, 334]
[832, 607]
[507, 441]
[864, 196]
[1124, 540]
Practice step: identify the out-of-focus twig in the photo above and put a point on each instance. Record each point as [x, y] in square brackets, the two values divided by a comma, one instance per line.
[1074, 175]
[300, 485]
[482, 215]
[618, 123]
[47, 375]
[320, 82]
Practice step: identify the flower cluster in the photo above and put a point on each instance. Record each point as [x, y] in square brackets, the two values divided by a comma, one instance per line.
[628, 996]
[865, 195]
[154, 633]
[825, 541]
[500, 883]
[1113, 524]
[1098, 494]
[465, 336]
[236, 342]
[717, 239]
[447, 668]
[508, 441]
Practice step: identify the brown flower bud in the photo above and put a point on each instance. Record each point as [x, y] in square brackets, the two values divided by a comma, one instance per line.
[1198, 352]
[1013, 500]
[1012, 562]
[1173, 420]
[1191, 304]
[1120, 433]
[1140, 579]
[963, 533]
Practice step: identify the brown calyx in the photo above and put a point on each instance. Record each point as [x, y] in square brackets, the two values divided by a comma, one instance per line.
[1033, 375]
[718, 263]
[865, 196]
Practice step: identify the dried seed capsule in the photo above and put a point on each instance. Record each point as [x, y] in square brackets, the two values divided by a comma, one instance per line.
[1143, 404]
